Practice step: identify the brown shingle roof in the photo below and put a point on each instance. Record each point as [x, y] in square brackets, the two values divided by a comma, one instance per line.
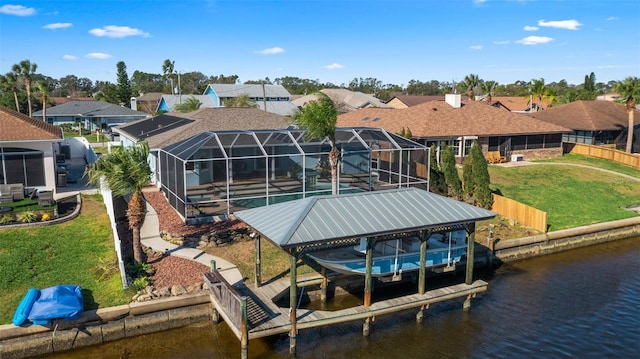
[15, 126]
[217, 119]
[439, 119]
[589, 115]
[412, 100]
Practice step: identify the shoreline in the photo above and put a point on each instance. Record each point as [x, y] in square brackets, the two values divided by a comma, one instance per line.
[137, 318]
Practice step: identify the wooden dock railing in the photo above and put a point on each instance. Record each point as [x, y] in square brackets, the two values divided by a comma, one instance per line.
[230, 305]
[602, 152]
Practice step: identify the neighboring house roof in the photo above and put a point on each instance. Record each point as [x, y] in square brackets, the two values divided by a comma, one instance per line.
[142, 129]
[404, 101]
[60, 100]
[15, 126]
[186, 125]
[151, 96]
[588, 115]
[512, 103]
[232, 90]
[171, 101]
[439, 119]
[608, 97]
[282, 108]
[345, 100]
[365, 214]
[90, 109]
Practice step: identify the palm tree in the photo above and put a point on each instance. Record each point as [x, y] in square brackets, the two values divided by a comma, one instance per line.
[242, 100]
[43, 90]
[189, 105]
[25, 69]
[487, 89]
[318, 118]
[538, 90]
[167, 69]
[629, 91]
[11, 80]
[126, 171]
[471, 82]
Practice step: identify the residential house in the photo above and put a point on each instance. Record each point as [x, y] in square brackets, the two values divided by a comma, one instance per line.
[345, 100]
[404, 101]
[517, 104]
[28, 149]
[271, 98]
[168, 103]
[92, 115]
[166, 129]
[592, 122]
[458, 124]
[147, 103]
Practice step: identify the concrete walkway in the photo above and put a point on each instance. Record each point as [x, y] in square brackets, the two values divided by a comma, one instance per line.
[150, 237]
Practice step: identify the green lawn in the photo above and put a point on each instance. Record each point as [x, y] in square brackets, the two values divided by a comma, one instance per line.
[595, 162]
[76, 252]
[572, 196]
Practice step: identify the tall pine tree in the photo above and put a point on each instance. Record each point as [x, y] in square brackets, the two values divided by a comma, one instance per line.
[437, 183]
[481, 192]
[124, 91]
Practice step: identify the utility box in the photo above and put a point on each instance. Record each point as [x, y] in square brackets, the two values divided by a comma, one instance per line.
[62, 180]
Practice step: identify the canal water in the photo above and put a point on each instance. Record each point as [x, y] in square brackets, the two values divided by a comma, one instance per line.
[583, 303]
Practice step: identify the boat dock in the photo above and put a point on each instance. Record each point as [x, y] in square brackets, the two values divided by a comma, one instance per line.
[253, 313]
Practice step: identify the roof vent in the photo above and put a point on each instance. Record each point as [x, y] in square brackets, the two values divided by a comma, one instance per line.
[434, 108]
[365, 119]
[376, 119]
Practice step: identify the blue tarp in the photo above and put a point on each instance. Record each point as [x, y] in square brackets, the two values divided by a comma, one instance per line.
[59, 302]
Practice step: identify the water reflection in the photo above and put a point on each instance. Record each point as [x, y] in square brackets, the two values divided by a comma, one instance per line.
[582, 303]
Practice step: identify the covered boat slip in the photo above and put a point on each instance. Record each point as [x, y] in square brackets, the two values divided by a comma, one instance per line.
[218, 173]
[396, 256]
[317, 223]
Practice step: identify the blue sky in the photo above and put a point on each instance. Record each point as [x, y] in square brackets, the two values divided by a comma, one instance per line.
[329, 41]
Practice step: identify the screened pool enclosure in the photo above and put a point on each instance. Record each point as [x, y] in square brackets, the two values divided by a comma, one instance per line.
[218, 173]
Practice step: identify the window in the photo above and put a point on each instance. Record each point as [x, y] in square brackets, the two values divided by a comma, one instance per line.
[21, 165]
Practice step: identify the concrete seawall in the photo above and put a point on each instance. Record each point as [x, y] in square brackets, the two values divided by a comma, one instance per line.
[104, 325]
[108, 324]
[558, 241]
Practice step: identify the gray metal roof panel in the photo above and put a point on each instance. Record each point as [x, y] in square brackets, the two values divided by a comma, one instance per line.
[323, 218]
[91, 108]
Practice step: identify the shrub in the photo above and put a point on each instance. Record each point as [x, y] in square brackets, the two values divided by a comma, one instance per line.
[27, 217]
[140, 282]
[6, 219]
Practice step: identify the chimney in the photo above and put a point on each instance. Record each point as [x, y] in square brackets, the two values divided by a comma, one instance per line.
[134, 104]
[453, 100]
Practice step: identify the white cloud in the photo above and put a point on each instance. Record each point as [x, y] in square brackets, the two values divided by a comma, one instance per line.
[563, 24]
[333, 66]
[534, 40]
[17, 10]
[270, 51]
[503, 42]
[531, 28]
[58, 25]
[97, 55]
[114, 31]
[611, 18]
[476, 47]
[69, 57]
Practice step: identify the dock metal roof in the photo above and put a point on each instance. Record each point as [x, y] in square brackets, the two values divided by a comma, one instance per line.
[324, 218]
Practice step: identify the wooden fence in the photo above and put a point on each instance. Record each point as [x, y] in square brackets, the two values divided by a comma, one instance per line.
[526, 215]
[607, 153]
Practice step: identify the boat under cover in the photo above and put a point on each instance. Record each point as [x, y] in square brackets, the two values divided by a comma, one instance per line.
[395, 256]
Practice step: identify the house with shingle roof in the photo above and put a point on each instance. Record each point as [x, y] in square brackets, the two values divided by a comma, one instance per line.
[592, 122]
[166, 129]
[457, 124]
[270, 98]
[168, 103]
[92, 115]
[344, 100]
[146, 102]
[404, 101]
[28, 149]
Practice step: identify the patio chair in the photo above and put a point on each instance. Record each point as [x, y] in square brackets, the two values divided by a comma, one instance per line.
[491, 157]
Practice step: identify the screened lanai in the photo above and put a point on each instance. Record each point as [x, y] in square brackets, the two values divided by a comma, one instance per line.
[218, 173]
